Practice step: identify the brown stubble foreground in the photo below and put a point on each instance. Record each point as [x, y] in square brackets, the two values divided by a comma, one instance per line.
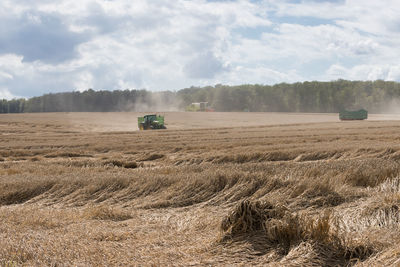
[309, 194]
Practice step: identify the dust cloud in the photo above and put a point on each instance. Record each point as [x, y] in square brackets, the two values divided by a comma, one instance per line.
[154, 102]
[391, 107]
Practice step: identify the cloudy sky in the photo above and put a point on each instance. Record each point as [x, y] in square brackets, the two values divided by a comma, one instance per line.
[64, 45]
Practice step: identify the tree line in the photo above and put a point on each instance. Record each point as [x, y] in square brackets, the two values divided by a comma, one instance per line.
[375, 96]
[89, 101]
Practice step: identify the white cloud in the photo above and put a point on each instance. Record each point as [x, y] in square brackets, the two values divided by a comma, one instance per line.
[5, 76]
[84, 81]
[161, 44]
[365, 72]
[258, 75]
[6, 94]
[394, 73]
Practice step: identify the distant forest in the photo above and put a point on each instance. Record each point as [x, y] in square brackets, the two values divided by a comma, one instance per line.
[375, 96]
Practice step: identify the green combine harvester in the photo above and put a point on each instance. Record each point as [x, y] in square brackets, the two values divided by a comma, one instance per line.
[200, 106]
[360, 114]
[151, 122]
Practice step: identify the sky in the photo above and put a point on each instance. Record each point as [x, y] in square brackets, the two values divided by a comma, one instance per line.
[67, 45]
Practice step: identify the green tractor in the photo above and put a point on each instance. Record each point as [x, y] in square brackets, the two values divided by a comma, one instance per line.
[151, 122]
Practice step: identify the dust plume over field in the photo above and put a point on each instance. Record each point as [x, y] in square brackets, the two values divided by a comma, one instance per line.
[127, 121]
[214, 189]
[153, 102]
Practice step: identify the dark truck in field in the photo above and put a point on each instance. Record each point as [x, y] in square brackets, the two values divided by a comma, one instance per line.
[346, 115]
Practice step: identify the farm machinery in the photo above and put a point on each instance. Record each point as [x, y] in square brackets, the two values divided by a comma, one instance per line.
[360, 114]
[151, 122]
[200, 106]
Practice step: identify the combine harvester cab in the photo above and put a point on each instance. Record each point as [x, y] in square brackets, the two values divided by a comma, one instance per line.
[151, 122]
[346, 115]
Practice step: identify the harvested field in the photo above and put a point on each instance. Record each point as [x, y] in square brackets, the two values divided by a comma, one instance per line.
[217, 189]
